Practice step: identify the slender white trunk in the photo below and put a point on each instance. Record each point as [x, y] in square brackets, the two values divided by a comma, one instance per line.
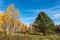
[7, 30]
[14, 29]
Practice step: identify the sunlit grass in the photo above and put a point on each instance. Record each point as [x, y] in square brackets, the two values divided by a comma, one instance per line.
[19, 36]
[48, 37]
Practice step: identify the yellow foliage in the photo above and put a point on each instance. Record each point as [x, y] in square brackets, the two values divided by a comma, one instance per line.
[10, 8]
[1, 15]
[10, 20]
[15, 13]
[21, 24]
[1, 22]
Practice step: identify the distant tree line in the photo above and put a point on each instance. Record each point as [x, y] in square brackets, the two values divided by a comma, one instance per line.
[57, 28]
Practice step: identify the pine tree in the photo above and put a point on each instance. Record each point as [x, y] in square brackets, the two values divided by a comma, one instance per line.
[44, 23]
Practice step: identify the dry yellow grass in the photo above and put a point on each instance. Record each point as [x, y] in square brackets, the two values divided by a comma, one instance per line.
[19, 36]
[49, 37]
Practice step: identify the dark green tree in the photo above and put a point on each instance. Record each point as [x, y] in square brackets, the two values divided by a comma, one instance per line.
[44, 23]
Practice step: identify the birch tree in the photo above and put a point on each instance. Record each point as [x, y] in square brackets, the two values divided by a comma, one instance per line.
[9, 19]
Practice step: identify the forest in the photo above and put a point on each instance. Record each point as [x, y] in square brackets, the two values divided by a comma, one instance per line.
[11, 28]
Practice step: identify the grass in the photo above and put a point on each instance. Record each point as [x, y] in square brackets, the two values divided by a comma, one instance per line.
[49, 37]
[19, 36]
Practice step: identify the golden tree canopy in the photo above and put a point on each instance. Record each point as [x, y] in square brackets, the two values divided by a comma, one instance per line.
[1, 22]
[1, 17]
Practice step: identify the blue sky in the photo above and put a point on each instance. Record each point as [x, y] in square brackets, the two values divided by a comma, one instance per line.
[29, 9]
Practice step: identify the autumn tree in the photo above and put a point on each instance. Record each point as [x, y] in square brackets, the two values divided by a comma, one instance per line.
[27, 29]
[20, 26]
[1, 22]
[9, 19]
[14, 20]
[43, 23]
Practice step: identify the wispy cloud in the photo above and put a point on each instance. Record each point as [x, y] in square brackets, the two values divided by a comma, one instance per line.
[53, 8]
[1, 11]
[57, 23]
[56, 16]
[46, 10]
[54, 11]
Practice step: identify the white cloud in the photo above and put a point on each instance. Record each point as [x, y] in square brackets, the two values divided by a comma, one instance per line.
[1, 11]
[26, 23]
[56, 16]
[46, 10]
[53, 13]
[53, 8]
[57, 23]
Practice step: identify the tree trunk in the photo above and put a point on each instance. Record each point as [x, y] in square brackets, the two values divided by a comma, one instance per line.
[44, 31]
